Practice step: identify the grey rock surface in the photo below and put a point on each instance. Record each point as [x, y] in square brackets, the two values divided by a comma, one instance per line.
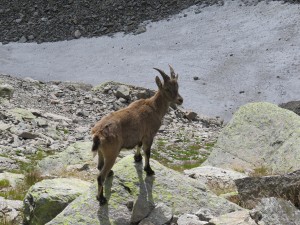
[79, 152]
[11, 211]
[122, 92]
[218, 180]
[188, 219]
[234, 218]
[277, 211]
[161, 214]
[8, 164]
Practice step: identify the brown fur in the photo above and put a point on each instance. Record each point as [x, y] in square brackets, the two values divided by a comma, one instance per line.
[135, 125]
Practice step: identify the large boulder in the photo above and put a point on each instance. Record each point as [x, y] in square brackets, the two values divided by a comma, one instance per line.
[46, 199]
[260, 135]
[131, 195]
[76, 153]
[252, 189]
[6, 91]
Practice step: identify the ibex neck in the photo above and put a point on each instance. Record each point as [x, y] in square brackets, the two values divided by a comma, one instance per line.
[160, 104]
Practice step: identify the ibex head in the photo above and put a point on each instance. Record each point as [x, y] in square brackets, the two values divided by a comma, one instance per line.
[169, 88]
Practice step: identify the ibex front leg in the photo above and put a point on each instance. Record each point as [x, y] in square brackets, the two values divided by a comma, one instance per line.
[147, 150]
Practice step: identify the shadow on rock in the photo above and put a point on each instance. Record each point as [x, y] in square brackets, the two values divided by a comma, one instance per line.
[145, 202]
[103, 212]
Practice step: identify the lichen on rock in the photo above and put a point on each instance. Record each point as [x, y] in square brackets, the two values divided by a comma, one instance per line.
[130, 184]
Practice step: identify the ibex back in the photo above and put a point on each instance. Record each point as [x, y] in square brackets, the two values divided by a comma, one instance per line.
[135, 125]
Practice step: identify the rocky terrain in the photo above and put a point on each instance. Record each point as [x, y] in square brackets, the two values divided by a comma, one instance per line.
[44, 21]
[40, 120]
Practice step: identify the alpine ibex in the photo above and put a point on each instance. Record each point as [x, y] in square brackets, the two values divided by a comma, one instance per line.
[135, 125]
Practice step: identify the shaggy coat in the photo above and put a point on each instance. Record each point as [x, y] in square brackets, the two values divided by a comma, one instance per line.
[135, 125]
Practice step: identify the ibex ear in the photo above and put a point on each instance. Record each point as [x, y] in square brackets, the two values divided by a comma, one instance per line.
[158, 82]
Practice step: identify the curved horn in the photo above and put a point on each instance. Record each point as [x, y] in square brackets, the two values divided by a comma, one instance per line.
[172, 72]
[163, 74]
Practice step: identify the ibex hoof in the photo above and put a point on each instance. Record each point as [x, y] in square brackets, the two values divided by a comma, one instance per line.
[102, 200]
[149, 171]
[138, 158]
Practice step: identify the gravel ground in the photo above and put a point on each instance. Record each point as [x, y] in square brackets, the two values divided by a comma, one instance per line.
[43, 21]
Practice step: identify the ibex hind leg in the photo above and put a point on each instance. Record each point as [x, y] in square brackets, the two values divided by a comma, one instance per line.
[100, 161]
[105, 171]
[101, 164]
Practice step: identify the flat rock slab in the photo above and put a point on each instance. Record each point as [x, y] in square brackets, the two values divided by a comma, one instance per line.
[76, 153]
[130, 186]
[235, 218]
[217, 180]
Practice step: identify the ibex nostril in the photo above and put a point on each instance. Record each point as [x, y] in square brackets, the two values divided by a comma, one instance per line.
[180, 100]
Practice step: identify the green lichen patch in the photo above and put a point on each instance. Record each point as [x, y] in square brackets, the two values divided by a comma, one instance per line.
[21, 114]
[4, 183]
